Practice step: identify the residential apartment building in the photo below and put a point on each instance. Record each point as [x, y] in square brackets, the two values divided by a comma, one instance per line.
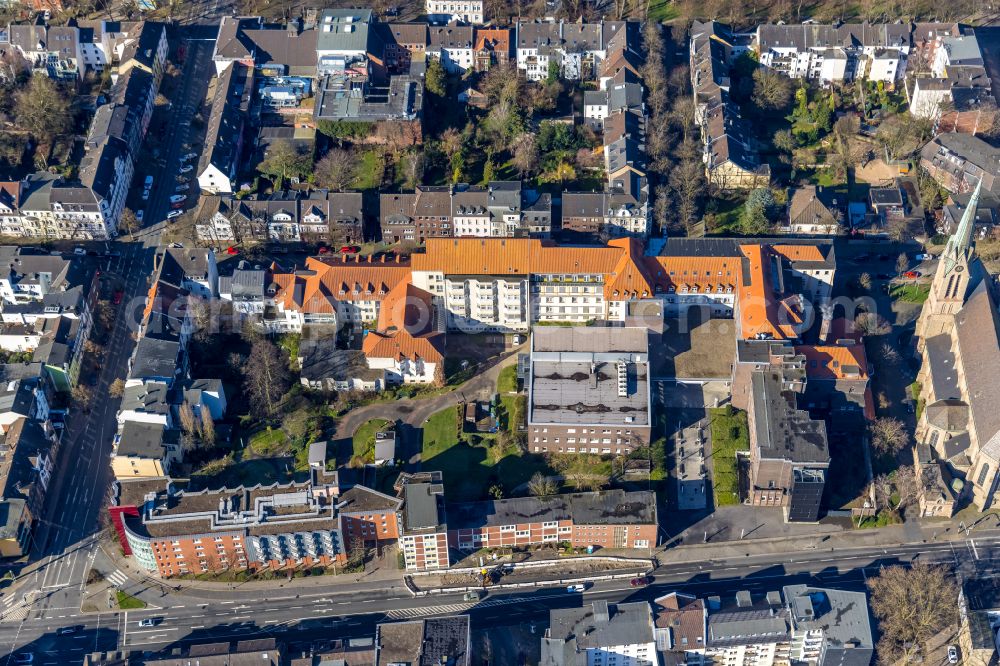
[953, 88]
[423, 539]
[369, 515]
[171, 531]
[959, 162]
[502, 209]
[27, 461]
[575, 50]
[800, 624]
[145, 450]
[731, 161]
[832, 54]
[320, 216]
[220, 158]
[439, 640]
[605, 519]
[589, 390]
[451, 11]
[453, 46]
[601, 633]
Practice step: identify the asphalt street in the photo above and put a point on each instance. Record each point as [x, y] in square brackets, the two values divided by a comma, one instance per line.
[295, 617]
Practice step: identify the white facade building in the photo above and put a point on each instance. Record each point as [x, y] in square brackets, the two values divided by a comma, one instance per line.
[450, 11]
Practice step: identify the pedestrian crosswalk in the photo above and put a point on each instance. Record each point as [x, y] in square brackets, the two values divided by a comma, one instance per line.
[13, 608]
[450, 609]
[117, 578]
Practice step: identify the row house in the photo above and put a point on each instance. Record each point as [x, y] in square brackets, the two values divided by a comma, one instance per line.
[959, 162]
[501, 209]
[730, 157]
[611, 214]
[220, 158]
[452, 11]
[606, 519]
[27, 461]
[832, 54]
[575, 50]
[334, 218]
[453, 46]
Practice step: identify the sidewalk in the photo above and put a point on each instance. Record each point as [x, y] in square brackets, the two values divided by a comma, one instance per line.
[387, 580]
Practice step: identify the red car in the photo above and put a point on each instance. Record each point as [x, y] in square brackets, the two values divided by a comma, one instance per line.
[232, 250]
[349, 249]
[913, 275]
[119, 295]
[641, 581]
[324, 250]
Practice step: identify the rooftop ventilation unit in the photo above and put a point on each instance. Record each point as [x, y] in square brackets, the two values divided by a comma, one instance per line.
[622, 379]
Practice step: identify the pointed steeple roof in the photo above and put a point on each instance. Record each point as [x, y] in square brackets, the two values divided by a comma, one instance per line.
[960, 242]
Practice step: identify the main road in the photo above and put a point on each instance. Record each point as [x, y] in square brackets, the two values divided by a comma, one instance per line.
[298, 617]
[65, 540]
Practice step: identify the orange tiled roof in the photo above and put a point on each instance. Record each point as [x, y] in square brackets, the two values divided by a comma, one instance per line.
[830, 361]
[799, 252]
[326, 281]
[511, 256]
[403, 346]
[761, 312]
[405, 327]
[499, 39]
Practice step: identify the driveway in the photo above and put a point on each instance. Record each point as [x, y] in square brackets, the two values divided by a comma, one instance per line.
[414, 411]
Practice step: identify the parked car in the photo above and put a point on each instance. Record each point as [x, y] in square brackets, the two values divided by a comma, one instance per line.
[924, 257]
[640, 581]
[183, 187]
[186, 169]
[145, 195]
[952, 654]
[24, 658]
[324, 250]
[174, 213]
[139, 214]
[232, 250]
[189, 157]
[349, 249]
[579, 587]
[119, 295]
[912, 275]
[79, 251]
[148, 183]
[177, 198]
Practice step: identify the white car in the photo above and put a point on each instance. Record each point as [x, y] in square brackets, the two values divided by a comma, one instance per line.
[174, 213]
[139, 214]
[79, 250]
[148, 183]
[579, 587]
[186, 169]
[952, 654]
[178, 198]
[145, 195]
[184, 187]
[189, 157]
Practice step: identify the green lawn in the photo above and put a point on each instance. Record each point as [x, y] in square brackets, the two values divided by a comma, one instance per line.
[467, 468]
[128, 602]
[268, 442]
[363, 444]
[367, 171]
[911, 293]
[729, 435]
[662, 10]
[507, 380]
[514, 407]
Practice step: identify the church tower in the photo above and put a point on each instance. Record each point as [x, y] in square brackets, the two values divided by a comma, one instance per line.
[957, 274]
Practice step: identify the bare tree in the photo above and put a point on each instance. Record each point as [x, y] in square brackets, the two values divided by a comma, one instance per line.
[526, 158]
[207, 427]
[189, 422]
[266, 376]
[902, 263]
[869, 323]
[889, 354]
[128, 222]
[541, 485]
[771, 90]
[865, 281]
[336, 169]
[888, 435]
[42, 110]
[912, 605]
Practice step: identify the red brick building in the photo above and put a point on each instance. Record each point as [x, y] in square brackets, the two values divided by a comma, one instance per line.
[607, 519]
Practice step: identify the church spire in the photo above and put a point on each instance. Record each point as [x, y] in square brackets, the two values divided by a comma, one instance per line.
[959, 242]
